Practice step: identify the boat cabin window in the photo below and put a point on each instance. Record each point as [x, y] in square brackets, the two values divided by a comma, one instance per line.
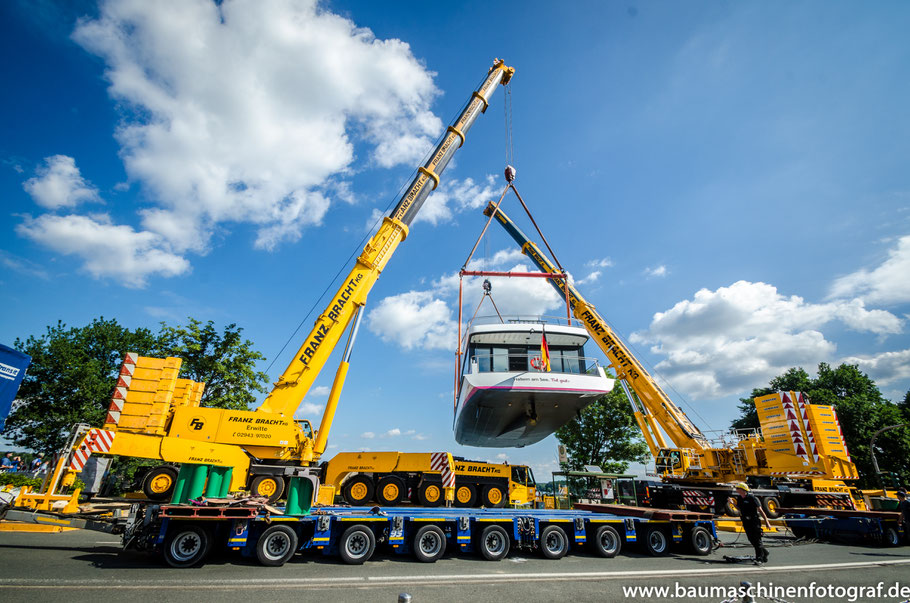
[512, 358]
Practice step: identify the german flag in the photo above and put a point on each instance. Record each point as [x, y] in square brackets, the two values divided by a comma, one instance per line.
[544, 352]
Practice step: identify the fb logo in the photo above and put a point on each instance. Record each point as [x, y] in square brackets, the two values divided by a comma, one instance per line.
[197, 423]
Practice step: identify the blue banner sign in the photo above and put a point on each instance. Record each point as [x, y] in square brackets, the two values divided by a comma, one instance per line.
[12, 370]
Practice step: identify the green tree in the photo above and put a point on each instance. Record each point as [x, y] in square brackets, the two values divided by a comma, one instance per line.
[605, 434]
[861, 410]
[225, 362]
[70, 380]
[795, 379]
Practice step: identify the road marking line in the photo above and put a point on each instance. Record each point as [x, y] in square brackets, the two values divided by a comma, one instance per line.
[441, 579]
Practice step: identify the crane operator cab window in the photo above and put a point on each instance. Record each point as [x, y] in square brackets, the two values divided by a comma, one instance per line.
[305, 427]
[669, 461]
[523, 476]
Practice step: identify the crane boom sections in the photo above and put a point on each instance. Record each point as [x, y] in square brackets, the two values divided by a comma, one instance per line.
[652, 406]
[293, 385]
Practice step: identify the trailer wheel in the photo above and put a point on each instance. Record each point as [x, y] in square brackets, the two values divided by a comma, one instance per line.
[606, 542]
[358, 490]
[357, 544]
[390, 491]
[186, 545]
[429, 544]
[554, 544]
[429, 494]
[270, 486]
[890, 537]
[771, 505]
[656, 542]
[276, 546]
[700, 541]
[493, 496]
[465, 495]
[159, 483]
[493, 543]
[730, 507]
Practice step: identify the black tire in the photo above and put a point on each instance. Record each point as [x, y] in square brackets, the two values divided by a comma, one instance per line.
[270, 486]
[493, 497]
[554, 544]
[493, 543]
[606, 542]
[186, 545]
[429, 544]
[390, 490]
[890, 536]
[730, 507]
[357, 544]
[700, 541]
[430, 494]
[276, 545]
[358, 490]
[465, 495]
[159, 483]
[771, 506]
[656, 542]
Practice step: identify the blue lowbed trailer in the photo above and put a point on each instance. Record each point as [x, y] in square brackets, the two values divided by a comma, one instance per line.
[880, 528]
[185, 534]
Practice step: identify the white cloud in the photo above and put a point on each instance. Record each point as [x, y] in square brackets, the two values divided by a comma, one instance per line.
[455, 196]
[249, 112]
[414, 319]
[368, 435]
[392, 433]
[58, 183]
[656, 272]
[591, 278]
[726, 341]
[106, 249]
[884, 368]
[320, 391]
[601, 263]
[886, 284]
[308, 410]
[421, 437]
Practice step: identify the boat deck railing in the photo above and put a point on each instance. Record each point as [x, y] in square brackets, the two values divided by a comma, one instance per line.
[529, 319]
[532, 363]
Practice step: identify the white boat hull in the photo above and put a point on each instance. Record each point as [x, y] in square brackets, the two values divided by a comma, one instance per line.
[497, 410]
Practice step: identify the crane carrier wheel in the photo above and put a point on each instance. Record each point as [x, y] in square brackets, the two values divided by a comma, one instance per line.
[159, 483]
[270, 486]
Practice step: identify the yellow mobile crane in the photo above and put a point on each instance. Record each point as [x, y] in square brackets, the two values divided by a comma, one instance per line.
[257, 450]
[801, 440]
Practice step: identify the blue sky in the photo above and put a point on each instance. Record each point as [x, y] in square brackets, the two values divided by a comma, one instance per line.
[726, 181]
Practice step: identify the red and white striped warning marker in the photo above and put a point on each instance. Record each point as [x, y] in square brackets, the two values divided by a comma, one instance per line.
[123, 384]
[813, 449]
[96, 440]
[439, 461]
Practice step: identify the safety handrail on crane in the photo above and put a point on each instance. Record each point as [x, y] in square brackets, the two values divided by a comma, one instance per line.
[345, 306]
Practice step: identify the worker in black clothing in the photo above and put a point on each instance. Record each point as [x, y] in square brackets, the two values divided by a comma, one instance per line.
[903, 507]
[752, 516]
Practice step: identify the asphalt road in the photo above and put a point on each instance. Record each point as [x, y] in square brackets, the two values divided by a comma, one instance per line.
[87, 566]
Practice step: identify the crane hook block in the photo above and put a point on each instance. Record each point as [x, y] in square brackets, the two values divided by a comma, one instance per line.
[510, 174]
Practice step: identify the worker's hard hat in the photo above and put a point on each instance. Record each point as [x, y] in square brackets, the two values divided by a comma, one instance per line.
[742, 486]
